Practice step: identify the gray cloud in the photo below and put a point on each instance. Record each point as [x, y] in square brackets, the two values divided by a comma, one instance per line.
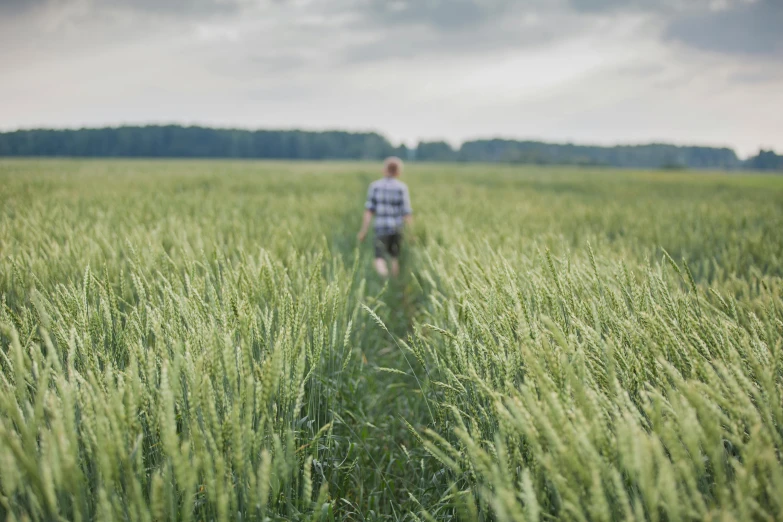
[593, 6]
[179, 7]
[599, 6]
[511, 33]
[461, 26]
[422, 45]
[746, 29]
[406, 28]
[757, 77]
[640, 70]
[442, 15]
[14, 7]
[185, 8]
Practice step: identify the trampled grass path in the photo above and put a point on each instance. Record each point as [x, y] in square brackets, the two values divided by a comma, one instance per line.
[392, 476]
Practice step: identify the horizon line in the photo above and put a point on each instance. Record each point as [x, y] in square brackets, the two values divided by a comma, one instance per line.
[418, 141]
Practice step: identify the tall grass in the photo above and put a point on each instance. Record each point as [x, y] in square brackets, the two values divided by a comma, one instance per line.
[204, 341]
[578, 390]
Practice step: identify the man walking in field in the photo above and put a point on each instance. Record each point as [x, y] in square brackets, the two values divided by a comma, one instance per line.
[389, 202]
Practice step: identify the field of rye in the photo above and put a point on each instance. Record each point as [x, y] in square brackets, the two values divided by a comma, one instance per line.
[207, 341]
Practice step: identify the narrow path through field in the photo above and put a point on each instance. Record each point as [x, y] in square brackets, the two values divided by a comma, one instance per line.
[386, 394]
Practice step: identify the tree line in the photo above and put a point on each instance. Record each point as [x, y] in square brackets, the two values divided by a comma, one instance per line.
[174, 141]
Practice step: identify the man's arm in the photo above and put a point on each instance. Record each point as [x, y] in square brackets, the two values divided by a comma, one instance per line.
[369, 210]
[366, 220]
[407, 211]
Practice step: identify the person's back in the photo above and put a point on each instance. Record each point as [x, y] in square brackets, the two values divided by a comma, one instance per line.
[389, 202]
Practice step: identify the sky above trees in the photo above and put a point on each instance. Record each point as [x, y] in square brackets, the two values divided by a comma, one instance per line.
[589, 71]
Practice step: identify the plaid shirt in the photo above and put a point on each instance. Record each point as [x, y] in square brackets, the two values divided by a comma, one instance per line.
[388, 199]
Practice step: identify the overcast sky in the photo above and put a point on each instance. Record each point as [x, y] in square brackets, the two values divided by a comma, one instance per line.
[588, 71]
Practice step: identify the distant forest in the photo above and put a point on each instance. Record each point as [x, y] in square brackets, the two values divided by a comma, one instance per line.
[173, 141]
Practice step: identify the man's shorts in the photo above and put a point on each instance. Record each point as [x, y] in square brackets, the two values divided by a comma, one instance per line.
[390, 244]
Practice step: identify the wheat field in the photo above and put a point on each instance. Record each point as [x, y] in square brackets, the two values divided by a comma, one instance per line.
[207, 341]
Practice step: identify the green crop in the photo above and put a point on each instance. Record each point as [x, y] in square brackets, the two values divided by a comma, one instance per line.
[207, 341]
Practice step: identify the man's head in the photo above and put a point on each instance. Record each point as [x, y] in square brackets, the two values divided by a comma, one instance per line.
[392, 167]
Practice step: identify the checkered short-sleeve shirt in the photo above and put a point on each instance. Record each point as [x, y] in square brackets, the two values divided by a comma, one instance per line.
[388, 199]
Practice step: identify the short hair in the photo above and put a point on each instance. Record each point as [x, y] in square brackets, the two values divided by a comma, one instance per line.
[392, 165]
